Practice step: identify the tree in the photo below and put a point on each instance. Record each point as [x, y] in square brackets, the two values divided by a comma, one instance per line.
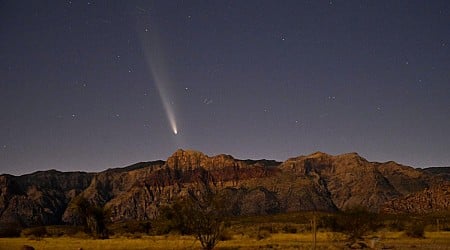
[201, 213]
[355, 222]
[92, 217]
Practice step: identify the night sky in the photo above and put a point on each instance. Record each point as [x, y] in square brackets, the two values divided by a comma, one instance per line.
[90, 85]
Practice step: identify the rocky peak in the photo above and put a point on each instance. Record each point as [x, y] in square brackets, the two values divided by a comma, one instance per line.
[186, 159]
[403, 178]
[319, 155]
[319, 162]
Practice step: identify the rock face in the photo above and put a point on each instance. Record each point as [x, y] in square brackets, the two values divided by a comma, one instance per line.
[315, 182]
[349, 179]
[39, 198]
[432, 199]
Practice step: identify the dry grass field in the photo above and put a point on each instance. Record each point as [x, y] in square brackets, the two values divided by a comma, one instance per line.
[325, 240]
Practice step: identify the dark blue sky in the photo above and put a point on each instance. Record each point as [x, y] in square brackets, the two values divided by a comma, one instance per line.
[82, 83]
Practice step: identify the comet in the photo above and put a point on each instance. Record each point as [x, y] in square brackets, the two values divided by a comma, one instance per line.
[155, 58]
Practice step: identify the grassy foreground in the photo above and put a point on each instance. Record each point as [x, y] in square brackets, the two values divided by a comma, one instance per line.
[388, 240]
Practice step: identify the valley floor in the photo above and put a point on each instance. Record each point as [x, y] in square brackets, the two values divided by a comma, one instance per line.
[389, 240]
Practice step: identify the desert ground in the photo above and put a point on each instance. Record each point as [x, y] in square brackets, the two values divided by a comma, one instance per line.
[325, 240]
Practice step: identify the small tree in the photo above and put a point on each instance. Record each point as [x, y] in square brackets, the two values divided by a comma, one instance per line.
[202, 214]
[416, 229]
[92, 217]
[355, 222]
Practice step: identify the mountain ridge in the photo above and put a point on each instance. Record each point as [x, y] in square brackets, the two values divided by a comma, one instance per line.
[318, 181]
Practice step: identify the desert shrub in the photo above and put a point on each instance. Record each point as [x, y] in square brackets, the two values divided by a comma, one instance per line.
[171, 219]
[93, 217]
[81, 235]
[269, 228]
[290, 229]
[132, 235]
[263, 234]
[226, 235]
[145, 227]
[416, 230]
[9, 230]
[132, 226]
[34, 232]
[60, 230]
[329, 222]
[396, 225]
[355, 223]
[162, 226]
[54, 232]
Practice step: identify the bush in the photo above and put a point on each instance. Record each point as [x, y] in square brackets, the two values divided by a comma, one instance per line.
[290, 229]
[355, 223]
[263, 234]
[269, 228]
[397, 225]
[416, 230]
[226, 235]
[93, 217]
[35, 232]
[162, 226]
[60, 230]
[132, 235]
[131, 226]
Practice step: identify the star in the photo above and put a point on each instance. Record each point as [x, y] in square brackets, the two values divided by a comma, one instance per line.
[74, 115]
[207, 101]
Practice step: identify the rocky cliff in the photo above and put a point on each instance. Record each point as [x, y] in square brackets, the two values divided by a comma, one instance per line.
[434, 199]
[315, 182]
[40, 198]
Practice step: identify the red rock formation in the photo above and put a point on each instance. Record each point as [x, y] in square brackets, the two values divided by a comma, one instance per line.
[315, 182]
